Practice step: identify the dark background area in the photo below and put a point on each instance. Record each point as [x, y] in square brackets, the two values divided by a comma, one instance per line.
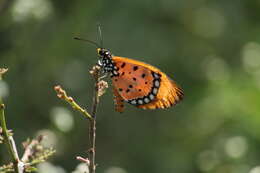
[209, 47]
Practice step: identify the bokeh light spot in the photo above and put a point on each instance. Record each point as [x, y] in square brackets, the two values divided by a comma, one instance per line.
[4, 89]
[236, 147]
[251, 58]
[255, 170]
[208, 160]
[82, 167]
[25, 9]
[51, 138]
[50, 168]
[115, 170]
[216, 69]
[62, 118]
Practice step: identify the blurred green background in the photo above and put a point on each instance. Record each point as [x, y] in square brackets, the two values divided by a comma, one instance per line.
[210, 47]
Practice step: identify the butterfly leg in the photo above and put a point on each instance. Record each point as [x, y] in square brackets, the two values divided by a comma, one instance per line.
[102, 77]
[99, 63]
[118, 101]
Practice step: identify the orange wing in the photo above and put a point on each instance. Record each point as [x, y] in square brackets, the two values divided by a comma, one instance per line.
[143, 85]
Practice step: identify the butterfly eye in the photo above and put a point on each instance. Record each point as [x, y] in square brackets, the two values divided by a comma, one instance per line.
[104, 52]
[101, 53]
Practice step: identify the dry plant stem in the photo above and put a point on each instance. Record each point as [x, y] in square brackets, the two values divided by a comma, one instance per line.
[99, 89]
[92, 151]
[29, 149]
[8, 138]
[92, 128]
[61, 93]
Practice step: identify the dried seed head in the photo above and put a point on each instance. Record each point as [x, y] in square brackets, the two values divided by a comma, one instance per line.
[60, 96]
[2, 106]
[102, 86]
[3, 70]
[40, 138]
[95, 69]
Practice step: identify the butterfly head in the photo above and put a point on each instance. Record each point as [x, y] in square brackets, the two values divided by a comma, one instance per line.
[104, 53]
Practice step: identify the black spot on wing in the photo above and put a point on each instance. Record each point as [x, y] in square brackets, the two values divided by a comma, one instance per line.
[123, 65]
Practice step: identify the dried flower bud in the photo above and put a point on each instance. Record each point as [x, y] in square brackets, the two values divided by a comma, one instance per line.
[39, 148]
[2, 106]
[40, 138]
[3, 70]
[57, 88]
[60, 96]
[102, 86]
[95, 69]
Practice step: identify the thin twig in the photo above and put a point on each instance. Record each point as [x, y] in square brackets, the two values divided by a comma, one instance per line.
[99, 90]
[92, 128]
[84, 160]
[43, 156]
[30, 150]
[61, 93]
[96, 75]
[34, 152]
[8, 139]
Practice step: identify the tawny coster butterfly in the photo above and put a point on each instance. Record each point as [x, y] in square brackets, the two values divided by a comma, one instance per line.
[137, 83]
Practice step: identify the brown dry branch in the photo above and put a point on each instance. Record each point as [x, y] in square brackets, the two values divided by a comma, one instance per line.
[99, 90]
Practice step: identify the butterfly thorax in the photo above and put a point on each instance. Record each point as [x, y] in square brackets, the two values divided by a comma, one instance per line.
[106, 62]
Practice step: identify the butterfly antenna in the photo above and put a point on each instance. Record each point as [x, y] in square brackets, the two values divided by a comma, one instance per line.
[89, 41]
[100, 36]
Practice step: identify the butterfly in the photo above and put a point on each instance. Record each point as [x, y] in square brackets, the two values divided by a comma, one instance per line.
[137, 83]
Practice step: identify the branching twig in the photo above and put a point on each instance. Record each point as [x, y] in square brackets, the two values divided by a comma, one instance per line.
[30, 148]
[32, 154]
[99, 89]
[61, 93]
[8, 139]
